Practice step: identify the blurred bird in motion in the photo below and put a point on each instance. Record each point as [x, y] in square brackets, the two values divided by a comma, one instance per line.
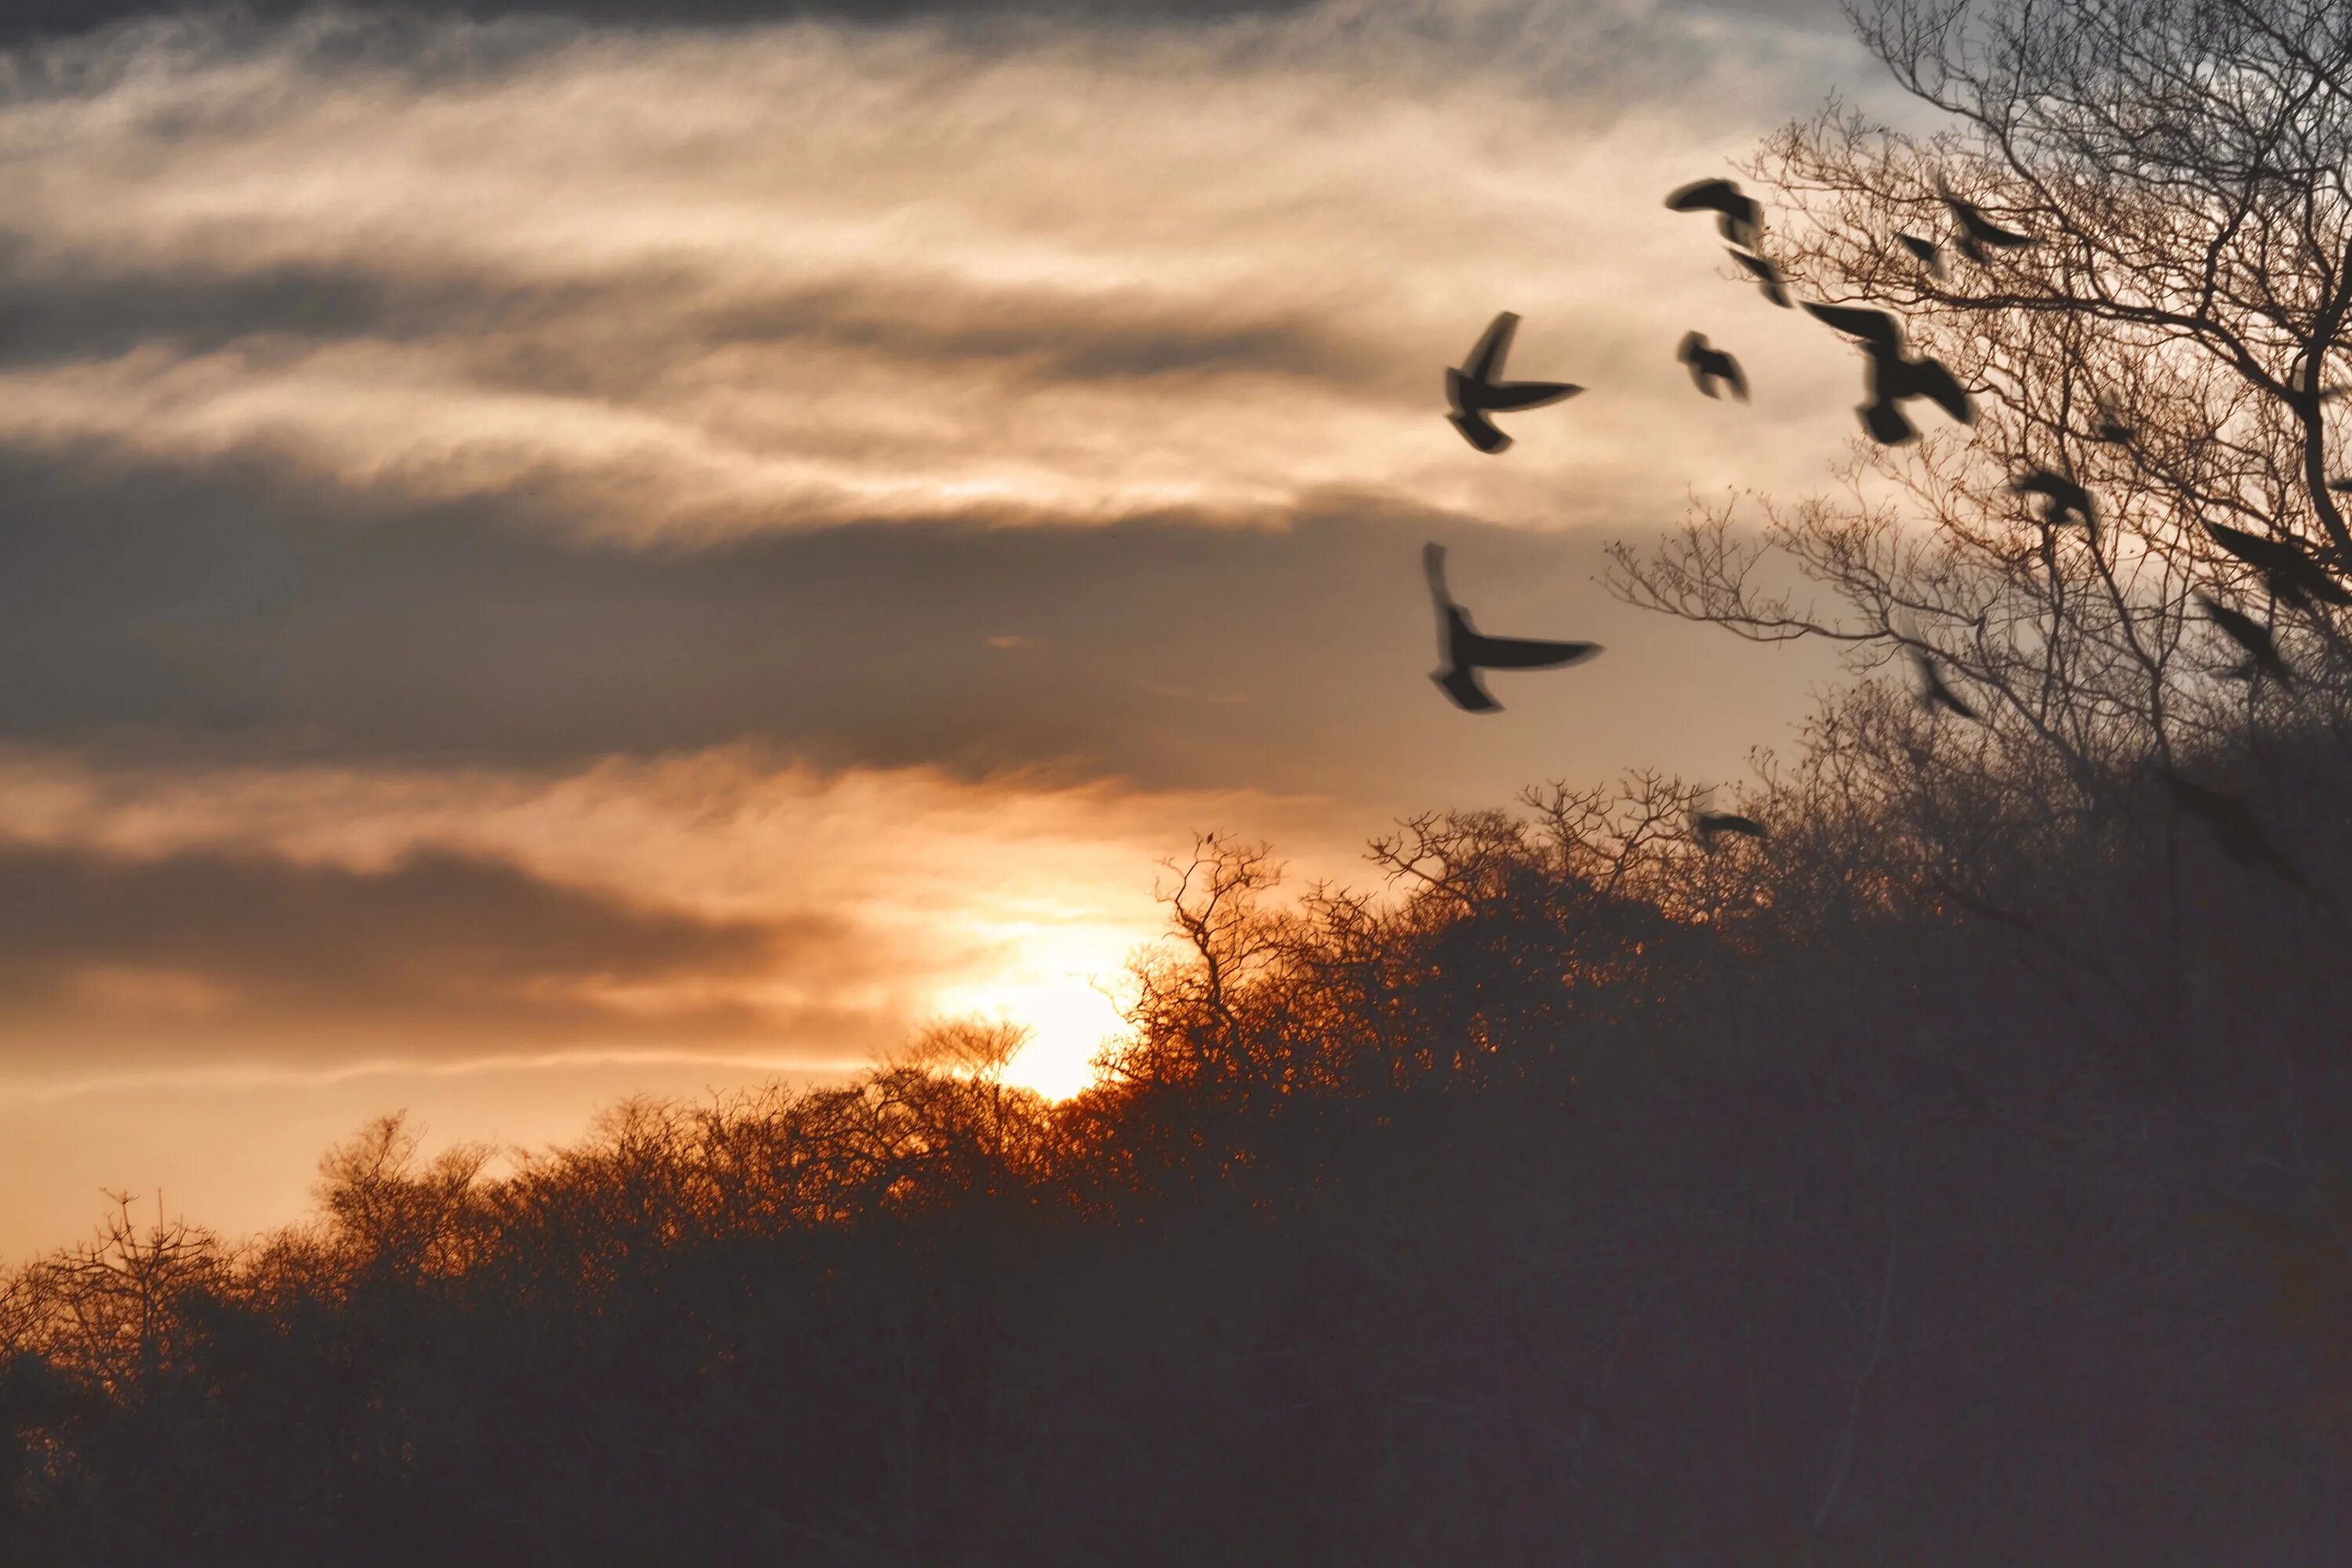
[2289, 573]
[1895, 377]
[1474, 391]
[1466, 650]
[1932, 693]
[1976, 233]
[2233, 827]
[1739, 218]
[2261, 648]
[1768, 277]
[2062, 501]
[1707, 823]
[1709, 365]
[1930, 252]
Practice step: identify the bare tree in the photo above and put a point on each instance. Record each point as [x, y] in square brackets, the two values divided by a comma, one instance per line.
[2170, 342]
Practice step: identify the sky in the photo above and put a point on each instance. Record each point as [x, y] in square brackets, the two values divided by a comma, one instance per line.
[553, 552]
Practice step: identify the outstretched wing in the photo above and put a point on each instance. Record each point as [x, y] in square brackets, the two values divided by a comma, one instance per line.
[1871, 326]
[1734, 374]
[1930, 380]
[1461, 684]
[1928, 251]
[1481, 432]
[1485, 361]
[1510, 396]
[1767, 275]
[1888, 424]
[1706, 196]
[1523, 653]
[1452, 626]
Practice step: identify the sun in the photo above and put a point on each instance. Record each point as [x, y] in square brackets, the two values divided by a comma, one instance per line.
[1070, 1020]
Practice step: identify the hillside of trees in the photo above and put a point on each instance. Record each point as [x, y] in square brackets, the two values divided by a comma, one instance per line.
[1961, 1173]
[1589, 1197]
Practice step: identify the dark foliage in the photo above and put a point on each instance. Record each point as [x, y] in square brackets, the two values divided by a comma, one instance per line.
[1587, 1197]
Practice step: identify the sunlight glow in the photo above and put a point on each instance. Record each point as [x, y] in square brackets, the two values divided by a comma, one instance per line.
[1069, 1020]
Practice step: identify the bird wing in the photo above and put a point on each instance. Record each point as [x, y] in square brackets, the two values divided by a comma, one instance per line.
[1706, 196]
[1871, 326]
[1509, 396]
[1886, 423]
[2267, 555]
[1485, 361]
[1687, 351]
[1734, 374]
[1452, 626]
[1767, 275]
[1461, 684]
[1479, 431]
[2242, 629]
[1523, 653]
[1930, 379]
[1433, 567]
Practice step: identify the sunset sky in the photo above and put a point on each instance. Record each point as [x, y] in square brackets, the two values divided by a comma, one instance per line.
[548, 554]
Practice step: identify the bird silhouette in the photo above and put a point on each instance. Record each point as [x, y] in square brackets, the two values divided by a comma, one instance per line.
[2341, 486]
[1768, 277]
[1466, 650]
[2112, 425]
[1932, 693]
[2250, 635]
[1928, 252]
[2233, 826]
[2063, 500]
[1894, 377]
[2287, 571]
[1707, 823]
[1475, 392]
[1709, 365]
[1976, 233]
[1740, 220]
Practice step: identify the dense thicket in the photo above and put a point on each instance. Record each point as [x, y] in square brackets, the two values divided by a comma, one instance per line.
[1587, 1197]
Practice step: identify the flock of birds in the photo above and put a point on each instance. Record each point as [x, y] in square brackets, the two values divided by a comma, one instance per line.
[1477, 392]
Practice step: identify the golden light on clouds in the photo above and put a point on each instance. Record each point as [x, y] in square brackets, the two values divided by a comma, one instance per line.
[564, 561]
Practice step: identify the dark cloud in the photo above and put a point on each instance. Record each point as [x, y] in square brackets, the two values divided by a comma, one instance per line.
[619, 334]
[198, 614]
[438, 938]
[29, 19]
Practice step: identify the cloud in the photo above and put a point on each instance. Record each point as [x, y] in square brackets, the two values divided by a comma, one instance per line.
[173, 614]
[27, 19]
[253, 952]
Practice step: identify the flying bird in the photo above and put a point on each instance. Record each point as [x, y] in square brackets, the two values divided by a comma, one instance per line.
[1932, 693]
[1740, 219]
[2287, 571]
[1475, 392]
[1466, 650]
[1768, 277]
[1930, 252]
[2340, 486]
[2062, 501]
[1894, 377]
[1707, 823]
[1979, 233]
[1709, 365]
[2112, 425]
[2233, 826]
[2250, 635]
